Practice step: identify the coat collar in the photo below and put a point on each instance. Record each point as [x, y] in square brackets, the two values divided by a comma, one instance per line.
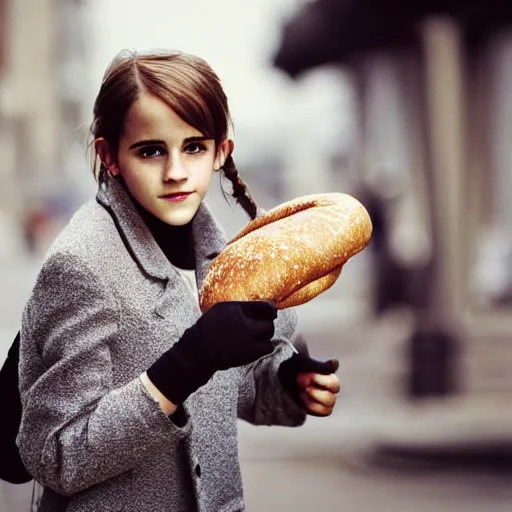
[209, 237]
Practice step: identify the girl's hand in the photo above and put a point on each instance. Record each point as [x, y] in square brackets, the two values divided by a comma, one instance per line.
[311, 383]
[318, 392]
[228, 335]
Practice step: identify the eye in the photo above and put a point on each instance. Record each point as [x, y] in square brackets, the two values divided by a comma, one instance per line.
[194, 148]
[151, 152]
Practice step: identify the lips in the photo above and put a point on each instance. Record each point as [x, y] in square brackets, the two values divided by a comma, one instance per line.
[176, 196]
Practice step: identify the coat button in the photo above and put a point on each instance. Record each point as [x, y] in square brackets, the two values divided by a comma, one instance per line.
[198, 470]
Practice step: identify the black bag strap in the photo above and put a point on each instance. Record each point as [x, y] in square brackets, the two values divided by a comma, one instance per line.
[11, 466]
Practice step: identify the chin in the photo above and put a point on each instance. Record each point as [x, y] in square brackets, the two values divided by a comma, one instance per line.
[178, 218]
[177, 222]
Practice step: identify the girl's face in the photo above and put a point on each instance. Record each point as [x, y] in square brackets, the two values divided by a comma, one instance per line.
[166, 164]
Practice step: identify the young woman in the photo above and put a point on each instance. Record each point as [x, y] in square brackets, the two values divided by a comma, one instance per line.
[130, 396]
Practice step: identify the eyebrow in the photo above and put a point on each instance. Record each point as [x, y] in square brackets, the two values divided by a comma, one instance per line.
[156, 142]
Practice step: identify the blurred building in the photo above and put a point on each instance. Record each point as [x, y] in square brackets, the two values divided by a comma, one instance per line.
[44, 61]
[432, 81]
[29, 131]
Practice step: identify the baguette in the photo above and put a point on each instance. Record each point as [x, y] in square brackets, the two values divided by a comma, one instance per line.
[291, 254]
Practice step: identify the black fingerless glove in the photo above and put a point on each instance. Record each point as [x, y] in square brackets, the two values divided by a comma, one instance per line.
[229, 334]
[302, 363]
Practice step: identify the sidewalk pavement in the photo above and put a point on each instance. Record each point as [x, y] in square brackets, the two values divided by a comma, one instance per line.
[337, 463]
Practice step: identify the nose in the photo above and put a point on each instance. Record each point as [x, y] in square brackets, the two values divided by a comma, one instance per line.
[175, 170]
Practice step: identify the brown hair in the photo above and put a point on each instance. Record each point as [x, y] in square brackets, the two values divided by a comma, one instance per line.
[186, 83]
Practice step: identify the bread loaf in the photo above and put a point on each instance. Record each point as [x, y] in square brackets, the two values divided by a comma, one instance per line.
[290, 254]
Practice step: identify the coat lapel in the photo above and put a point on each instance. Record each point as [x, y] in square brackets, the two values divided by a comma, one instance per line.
[209, 241]
[113, 195]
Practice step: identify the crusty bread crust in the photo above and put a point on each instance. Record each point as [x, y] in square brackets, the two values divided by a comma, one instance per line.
[291, 254]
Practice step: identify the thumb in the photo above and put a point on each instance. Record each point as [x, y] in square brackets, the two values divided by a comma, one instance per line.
[303, 363]
[259, 309]
[309, 365]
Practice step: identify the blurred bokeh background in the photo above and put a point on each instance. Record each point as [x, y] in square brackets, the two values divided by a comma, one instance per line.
[407, 107]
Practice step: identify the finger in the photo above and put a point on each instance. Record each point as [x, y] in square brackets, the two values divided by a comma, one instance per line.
[259, 309]
[322, 396]
[335, 365]
[305, 380]
[328, 382]
[313, 407]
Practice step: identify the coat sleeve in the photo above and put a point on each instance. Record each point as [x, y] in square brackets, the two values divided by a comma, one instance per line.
[77, 430]
[261, 398]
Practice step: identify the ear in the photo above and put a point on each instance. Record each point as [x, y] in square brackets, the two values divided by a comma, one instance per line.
[224, 150]
[107, 155]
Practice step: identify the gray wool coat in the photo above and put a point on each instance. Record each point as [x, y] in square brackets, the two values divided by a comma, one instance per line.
[106, 304]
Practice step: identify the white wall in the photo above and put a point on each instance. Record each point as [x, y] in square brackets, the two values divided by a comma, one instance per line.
[301, 120]
[235, 37]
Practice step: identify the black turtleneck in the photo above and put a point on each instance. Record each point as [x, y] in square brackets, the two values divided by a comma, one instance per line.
[176, 242]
